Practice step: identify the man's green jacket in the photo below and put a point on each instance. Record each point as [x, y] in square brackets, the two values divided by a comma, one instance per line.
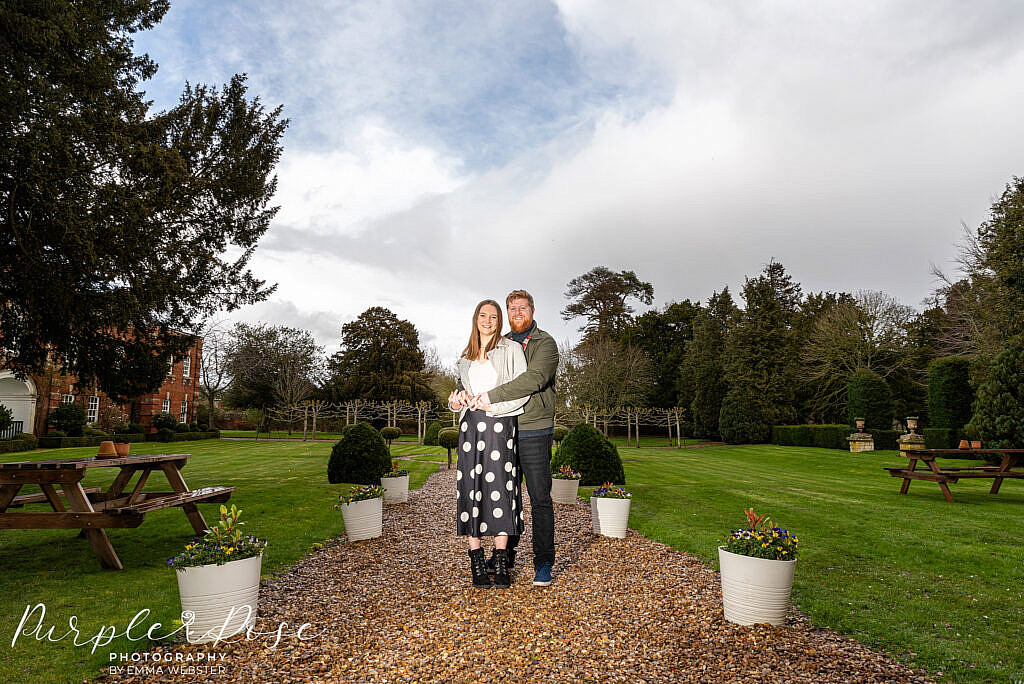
[538, 380]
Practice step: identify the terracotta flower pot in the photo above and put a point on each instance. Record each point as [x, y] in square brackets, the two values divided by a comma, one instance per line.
[975, 443]
[122, 448]
[107, 450]
[964, 444]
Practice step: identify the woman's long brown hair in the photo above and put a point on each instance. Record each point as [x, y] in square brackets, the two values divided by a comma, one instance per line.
[472, 350]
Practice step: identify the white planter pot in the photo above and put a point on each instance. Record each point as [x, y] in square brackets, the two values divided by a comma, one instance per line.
[363, 519]
[755, 590]
[396, 489]
[611, 516]
[222, 598]
[564, 491]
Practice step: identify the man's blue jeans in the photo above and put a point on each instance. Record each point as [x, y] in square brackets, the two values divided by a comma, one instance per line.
[535, 467]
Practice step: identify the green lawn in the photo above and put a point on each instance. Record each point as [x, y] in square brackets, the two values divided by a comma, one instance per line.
[646, 441]
[281, 487]
[280, 434]
[935, 584]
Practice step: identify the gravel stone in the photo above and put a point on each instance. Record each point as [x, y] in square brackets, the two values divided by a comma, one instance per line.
[400, 608]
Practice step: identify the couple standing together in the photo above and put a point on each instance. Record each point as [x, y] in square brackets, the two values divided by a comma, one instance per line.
[506, 403]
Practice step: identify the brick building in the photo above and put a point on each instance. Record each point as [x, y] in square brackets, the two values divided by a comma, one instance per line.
[31, 400]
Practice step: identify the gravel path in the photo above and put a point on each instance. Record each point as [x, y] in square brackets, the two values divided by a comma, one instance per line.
[400, 608]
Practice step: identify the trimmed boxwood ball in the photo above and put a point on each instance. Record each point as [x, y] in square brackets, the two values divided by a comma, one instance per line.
[360, 457]
[559, 434]
[741, 419]
[390, 433]
[868, 396]
[587, 451]
[449, 439]
[430, 436]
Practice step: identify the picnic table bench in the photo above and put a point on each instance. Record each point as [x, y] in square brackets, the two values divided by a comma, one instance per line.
[1011, 466]
[93, 510]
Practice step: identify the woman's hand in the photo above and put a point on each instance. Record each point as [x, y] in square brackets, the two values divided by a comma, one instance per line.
[455, 400]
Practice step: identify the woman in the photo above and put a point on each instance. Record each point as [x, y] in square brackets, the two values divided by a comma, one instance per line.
[487, 490]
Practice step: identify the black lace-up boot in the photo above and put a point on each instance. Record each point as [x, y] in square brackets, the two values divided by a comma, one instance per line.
[502, 578]
[476, 564]
[511, 561]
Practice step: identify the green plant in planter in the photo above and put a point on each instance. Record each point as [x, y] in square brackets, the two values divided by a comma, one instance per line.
[395, 471]
[360, 493]
[761, 539]
[609, 491]
[565, 473]
[222, 543]
[6, 417]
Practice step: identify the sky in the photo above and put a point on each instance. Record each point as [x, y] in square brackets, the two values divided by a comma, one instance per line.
[441, 153]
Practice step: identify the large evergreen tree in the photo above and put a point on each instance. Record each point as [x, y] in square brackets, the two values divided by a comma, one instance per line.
[122, 230]
[601, 297]
[762, 348]
[663, 336]
[1001, 239]
[380, 359]
[703, 368]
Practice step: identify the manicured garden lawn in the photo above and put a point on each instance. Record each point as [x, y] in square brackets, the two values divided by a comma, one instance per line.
[281, 487]
[280, 434]
[935, 584]
[652, 441]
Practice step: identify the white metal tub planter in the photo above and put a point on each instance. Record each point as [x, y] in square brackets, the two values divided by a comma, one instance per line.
[565, 485]
[363, 512]
[219, 580]
[757, 572]
[609, 509]
[396, 484]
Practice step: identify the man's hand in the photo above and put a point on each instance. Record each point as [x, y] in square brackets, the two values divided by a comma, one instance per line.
[483, 403]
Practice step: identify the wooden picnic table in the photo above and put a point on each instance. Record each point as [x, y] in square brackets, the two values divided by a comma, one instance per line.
[93, 510]
[1011, 466]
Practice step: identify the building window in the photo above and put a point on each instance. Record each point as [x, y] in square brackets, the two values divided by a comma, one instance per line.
[170, 368]
[186, 366]
[68, 399]
[93, 414]
[184, 412]
[166, 408]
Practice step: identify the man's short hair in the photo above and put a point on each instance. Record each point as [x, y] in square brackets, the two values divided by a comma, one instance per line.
[519, 294]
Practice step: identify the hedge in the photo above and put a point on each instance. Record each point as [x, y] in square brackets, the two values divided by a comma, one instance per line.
[822, 436]
[8, 446]
[868, 396]
[66, 442]
[949, 392]
[829, 436]
[886, 440]
[942, 438]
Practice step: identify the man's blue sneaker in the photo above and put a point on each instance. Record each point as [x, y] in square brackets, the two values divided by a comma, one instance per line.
[542, 576]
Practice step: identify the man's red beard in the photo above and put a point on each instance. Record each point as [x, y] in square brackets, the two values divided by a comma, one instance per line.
[520, 327]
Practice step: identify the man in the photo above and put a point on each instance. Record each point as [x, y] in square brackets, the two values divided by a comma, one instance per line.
[536, 427]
